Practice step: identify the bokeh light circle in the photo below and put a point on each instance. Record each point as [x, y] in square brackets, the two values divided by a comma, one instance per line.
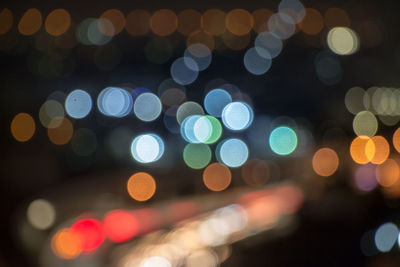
[78, 104]
[187, 109]
[141, 186]
[114, 102]
[22, 127]
[41, 214]
[283, 140]
[386, 236]
[215, 101]
[343, 41]
[325, 162]
[217, 177]
[269, 42]
[257, 61]
[365, 123]
[120, 225]
[184, 70]
[91, 233]
[147, 148]
[201, 54]
[147, 107]
[232, 152]
[197, 156]
[237, 116]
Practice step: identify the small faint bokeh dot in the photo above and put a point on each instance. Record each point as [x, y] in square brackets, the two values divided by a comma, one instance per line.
[217, 177]
[141, 186]
[23, 127]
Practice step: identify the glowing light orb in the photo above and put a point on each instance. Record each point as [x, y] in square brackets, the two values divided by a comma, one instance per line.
[269, 42]
[217, 177]
[365, 179]
[197, 156]
[147, 148]
[120, 225]
[141, 186]
[201, 54]
[325, 162]
[282, 25]
[41, 214]
[257, 61]
[343, 41]
[188, 108]
[201, 129]
[232, 152]
[114, 102]
[293, 9]
[22, 127]
[66, 244]
[78, 104]
[365, 124]
[283, 140]
[91, 233]
[386, 236]
[237, 116]
[215, 101]
[184, 70]
[147, 107]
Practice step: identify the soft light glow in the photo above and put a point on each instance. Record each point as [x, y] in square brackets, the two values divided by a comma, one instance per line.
[78, 104]
[239, 21]
[189, 21]
[313, 22]
[22, 127]
[382, 150]
[155, 261]
[184, 70]
[388, 173]
[120, 225]
[187, 109]
[6, 20]
[51, 114]
[386, 236]
[141, 186]
[163, 22]
[61, 134]
[215, 101]
[117, 18]
[354, 100]
[138, 22]
[232, 152]
[57, 22]
[365, 123]
[283, 140]
[91, 233]
[293, 9]
[41, 214]
[237, 116]
[343, 41]
[365, 179]
[30, 22]
[325, 162]
[362, 149]
[396, 140]
[282, 25]
[255, 172]
[197, 156]
[201, 54]
[213, 21]
[269, 42]
[217, 177]
[114, 102]
[147, 148]
[202, 258]
[66, 244]
[257, 61]
[147, 107]
[261, 17]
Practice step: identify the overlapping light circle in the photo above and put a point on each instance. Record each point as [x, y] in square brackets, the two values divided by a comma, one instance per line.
[237, 116]
[201, 129]
[147, 107]
[147, 148]
[269, 42]
[78, 104]
[201, 54]
[114, 102]
[215, 101]
[232, 152]
[184, 70]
